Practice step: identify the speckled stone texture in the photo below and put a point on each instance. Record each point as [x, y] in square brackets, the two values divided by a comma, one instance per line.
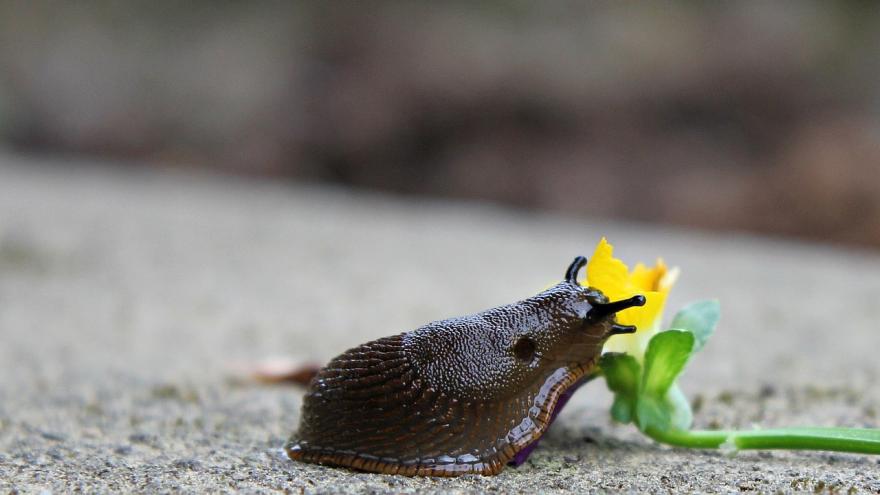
[127, 298]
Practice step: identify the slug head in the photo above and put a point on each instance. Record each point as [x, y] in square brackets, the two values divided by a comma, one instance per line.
[601, 308]
[502, 351]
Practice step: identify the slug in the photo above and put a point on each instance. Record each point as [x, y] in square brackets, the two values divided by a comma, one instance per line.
[462, 395]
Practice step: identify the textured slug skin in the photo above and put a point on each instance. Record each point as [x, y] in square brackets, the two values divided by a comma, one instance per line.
[456, 396]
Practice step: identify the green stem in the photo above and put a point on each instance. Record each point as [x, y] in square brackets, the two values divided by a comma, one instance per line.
[863, 441]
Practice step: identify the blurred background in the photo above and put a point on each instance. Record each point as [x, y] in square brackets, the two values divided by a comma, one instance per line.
[754, 116]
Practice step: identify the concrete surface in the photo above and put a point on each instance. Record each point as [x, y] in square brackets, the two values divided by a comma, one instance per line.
[126, 296]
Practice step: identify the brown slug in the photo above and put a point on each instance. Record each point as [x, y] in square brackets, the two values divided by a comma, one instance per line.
[457, 396]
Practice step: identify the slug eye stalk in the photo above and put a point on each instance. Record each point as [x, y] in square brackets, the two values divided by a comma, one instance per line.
[602, 310]
[573, 269]
[617, 329]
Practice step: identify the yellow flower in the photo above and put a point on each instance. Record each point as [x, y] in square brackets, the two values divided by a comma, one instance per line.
[613, 278]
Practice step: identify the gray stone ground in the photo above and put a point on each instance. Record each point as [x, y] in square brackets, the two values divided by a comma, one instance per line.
[126, 297]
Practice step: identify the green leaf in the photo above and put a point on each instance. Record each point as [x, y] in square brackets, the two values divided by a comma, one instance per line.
[672, 412]
[623, 409]
[667, 354]
[700, 319]
[622, 374]
[681, 417]
[652, 412]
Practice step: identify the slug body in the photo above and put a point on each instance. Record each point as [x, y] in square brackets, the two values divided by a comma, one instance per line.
[457, 396]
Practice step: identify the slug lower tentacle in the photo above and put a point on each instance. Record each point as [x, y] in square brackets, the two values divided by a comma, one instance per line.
[457, 396]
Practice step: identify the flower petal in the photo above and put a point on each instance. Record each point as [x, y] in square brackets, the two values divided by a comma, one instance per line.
[613, 278]
[607, 273]
[645, 278]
